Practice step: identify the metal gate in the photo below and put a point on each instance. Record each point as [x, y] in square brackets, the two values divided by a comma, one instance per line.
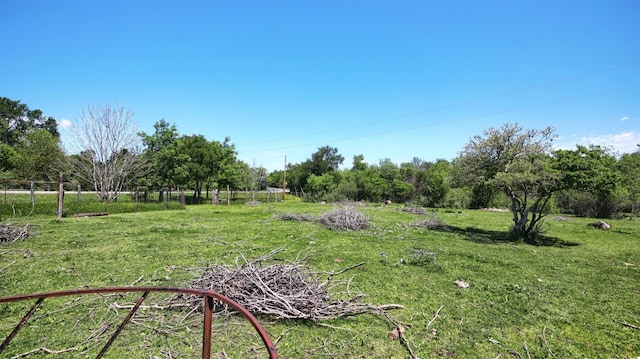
[208, 297]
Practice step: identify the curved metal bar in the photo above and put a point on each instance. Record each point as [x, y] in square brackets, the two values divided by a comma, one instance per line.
[206, 294]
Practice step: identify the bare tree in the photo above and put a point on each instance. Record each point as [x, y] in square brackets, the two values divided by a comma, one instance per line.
[109, 149]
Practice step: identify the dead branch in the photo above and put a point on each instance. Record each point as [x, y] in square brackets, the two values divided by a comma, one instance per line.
[511, 351]
[623, 323]
[73, 267]
[526, 349]
[43, 349]
[136, 281]
[7, 266]
[543, 337]
[93, 214]
[399, 329]
[435, 316]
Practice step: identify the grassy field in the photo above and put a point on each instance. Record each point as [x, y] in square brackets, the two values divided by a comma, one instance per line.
[578, 296]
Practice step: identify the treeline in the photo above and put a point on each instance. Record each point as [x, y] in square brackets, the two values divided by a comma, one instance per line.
[603, 185]
[506, 167]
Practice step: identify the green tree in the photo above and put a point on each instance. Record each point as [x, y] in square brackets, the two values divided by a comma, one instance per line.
[207, 163]
[200, 161]
[16, 120]
[8, 160]
[629, 168]
[324, 160]
[437, 177]
[517, 162]
[40, 156]
[162, 149]
[591, 175]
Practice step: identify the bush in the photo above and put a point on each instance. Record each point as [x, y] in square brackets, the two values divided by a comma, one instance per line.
[585, 204]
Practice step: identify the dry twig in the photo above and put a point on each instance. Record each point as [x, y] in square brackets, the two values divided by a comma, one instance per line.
[43, 349]
[543, 337]
[623, 323]
[7, 266]
[435, 316]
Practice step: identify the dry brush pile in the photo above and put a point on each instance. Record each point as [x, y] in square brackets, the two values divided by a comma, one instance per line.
[340, 219]
[346, 219]
[281, 290]
[432, 222]
[10, 234]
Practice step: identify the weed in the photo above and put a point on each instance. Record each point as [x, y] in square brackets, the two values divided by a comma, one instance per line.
[419, 257]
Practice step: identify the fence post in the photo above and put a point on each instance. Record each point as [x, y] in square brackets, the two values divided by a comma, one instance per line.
[33, 198]
[79, 193]
[60, 195]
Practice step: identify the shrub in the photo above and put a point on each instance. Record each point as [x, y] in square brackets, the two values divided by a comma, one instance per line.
[419, 257]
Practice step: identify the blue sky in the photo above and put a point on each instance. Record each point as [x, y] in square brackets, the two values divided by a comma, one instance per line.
[386, 79]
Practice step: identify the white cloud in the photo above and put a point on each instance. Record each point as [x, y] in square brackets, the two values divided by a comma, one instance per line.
[624, 142]
[64, 123]
[624, 118]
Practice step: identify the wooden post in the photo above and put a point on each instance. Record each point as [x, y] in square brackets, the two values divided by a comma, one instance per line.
[284, 180]
[60, 195]
[79, 193]
[33, 189]
[228, 196]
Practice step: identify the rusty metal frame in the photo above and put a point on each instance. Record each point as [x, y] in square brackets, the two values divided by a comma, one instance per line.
[208, 302]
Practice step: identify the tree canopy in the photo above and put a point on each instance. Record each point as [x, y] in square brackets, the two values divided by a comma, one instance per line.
[517, 162]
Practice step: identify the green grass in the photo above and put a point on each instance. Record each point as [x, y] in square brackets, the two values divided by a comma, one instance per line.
[567, 299]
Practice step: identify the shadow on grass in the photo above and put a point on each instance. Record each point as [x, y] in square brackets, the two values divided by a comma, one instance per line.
[478, 235]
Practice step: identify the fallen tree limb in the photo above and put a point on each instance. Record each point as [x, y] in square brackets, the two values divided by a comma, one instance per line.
[94, 214]
[630, 325]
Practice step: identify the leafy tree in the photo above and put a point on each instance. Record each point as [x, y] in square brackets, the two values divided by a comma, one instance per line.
[200, 161]
[375, 187]
[629, 168]
[324, 160]
[8, 160]
[16, 120]
[40, 156]
[592, 175]
[517, 162]
[436, 179]
[275, 178]
[207, 162]
[162, 149]
[358, 163]
[322, 187]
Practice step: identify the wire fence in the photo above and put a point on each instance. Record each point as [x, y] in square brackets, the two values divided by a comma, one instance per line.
[20, 198]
